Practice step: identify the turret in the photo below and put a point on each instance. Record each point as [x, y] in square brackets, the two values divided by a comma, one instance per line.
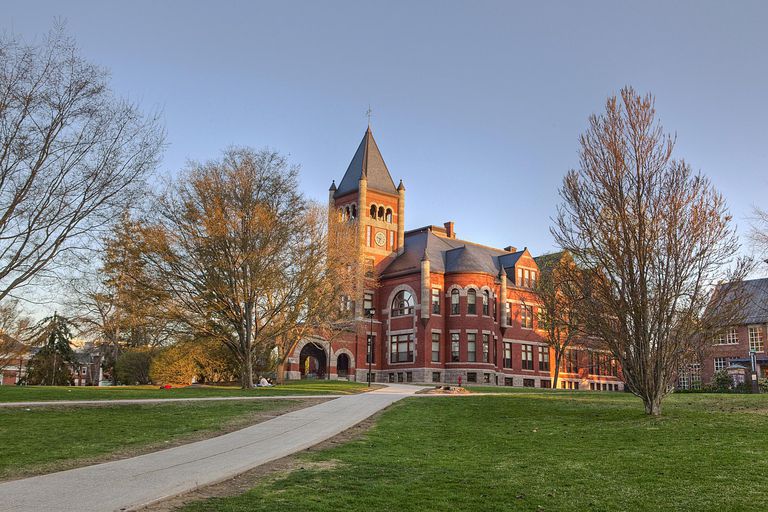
[400, 218]
[503, 298]
[426, 289]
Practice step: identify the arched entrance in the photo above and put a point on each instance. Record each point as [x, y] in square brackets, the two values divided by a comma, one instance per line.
[313, 361]
[342, 365]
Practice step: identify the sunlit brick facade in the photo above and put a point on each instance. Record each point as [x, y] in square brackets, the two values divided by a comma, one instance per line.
[445, 309]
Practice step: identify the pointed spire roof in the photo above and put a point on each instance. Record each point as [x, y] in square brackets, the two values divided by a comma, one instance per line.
[369, 163]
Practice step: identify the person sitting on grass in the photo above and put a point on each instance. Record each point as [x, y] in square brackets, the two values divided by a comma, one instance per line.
[263, 383]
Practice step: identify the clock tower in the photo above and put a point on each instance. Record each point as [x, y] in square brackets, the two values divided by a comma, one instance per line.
[368, 197]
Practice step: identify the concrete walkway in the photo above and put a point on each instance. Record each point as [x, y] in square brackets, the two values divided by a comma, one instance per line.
[131, 483]
[138, 401]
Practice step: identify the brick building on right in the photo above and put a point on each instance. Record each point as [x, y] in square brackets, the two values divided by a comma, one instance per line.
[730, 349]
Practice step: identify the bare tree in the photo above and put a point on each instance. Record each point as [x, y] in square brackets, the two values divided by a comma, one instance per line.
[13, 328]
[759, 233]
[115, 305]
[559, 293]
[657, 236]
[71, 155]
[244, 258]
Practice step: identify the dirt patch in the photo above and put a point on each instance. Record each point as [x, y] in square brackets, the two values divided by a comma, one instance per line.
[445, 390]
[240, 422]
[266, 472]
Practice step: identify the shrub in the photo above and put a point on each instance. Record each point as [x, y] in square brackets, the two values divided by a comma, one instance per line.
[203, 361]
[722, 381]
[132, 367]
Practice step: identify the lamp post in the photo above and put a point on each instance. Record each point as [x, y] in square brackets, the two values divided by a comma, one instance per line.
[370, 346]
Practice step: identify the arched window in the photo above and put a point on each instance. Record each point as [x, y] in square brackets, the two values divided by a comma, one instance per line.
[455, 302]
[402, 304]
[341, 214]
[486, 301]
[381, 212]
[346, 213]
[471, 302]
[354, 212]
[373, 211]
[388, 215]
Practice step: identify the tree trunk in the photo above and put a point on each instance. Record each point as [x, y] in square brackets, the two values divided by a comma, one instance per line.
[652, 405]
[557, 374]
[246, 373]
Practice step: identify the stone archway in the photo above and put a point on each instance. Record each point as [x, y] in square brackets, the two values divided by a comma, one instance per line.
[342, 366]
[313, 361]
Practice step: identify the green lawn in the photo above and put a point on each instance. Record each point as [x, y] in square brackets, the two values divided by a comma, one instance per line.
[44, 439]
[537, 451]
[45, 393]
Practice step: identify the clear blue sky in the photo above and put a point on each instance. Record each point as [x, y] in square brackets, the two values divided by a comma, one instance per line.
[477, 105]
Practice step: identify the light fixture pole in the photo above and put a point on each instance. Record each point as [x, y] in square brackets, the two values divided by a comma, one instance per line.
[370, 346]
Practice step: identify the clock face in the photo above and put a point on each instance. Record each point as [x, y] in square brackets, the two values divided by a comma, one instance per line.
[381, 239]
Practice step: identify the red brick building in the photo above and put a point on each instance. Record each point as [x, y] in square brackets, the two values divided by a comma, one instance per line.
[444, 308]
[730, 349]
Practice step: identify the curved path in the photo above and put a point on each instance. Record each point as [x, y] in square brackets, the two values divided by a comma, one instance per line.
[131, 483]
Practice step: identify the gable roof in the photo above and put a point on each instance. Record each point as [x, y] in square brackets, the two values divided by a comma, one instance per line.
[448, 255]
[368, 162]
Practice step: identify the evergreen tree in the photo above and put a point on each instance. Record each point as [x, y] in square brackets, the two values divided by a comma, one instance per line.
[51, 365]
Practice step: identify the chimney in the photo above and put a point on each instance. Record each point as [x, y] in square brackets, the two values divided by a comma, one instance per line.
[510, 248]
[449, 229]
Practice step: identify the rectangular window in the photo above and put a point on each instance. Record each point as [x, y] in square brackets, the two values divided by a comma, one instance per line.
[391, 377]
[408, 376]
[526, 316]
[486, 378]
[399, 376]
[529, 383]
[367, 303]
[435, 301]
[509, 381]
[369, 267]
[546, 384]
[720, 363]
[401, 348]
[368, 236]
[533, 279]
[454, 346]
[486, 346]
[520, 277]
[370, 357]
[435, 376]
[471, 377]
[527, 357]
[508, 312]
[733, 336]
[544, 359]
[391, 239]
[471, 347]
[435, 347]
[719, 339]
[486, 300]
[507, 355]
[527, 278]
[755, 339]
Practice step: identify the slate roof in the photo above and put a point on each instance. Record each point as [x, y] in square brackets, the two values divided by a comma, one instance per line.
[447, 255]
[755, 297]
[369, 162]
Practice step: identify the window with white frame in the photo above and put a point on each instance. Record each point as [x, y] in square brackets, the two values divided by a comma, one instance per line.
[454, 347]
[527, 357]
[435, 301]
[755, 338]
[720, 363]
[544, 359]
[402, 304]
[526, 316]
[435, 347]
[454, 302]
[471, 302]
[471, 347]
[486, 346]
[732, 338]
[486, 301]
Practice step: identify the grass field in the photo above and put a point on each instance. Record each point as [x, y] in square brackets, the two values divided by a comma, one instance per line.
[536, 451]
[45, 439]
[46, 393]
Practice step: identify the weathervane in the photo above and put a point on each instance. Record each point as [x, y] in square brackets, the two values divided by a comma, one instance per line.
[369, 113]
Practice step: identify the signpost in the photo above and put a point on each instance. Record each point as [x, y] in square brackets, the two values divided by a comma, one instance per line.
[753, 373]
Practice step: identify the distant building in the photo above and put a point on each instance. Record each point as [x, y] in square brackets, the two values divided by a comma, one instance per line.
[731, 347]
[445, 309]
